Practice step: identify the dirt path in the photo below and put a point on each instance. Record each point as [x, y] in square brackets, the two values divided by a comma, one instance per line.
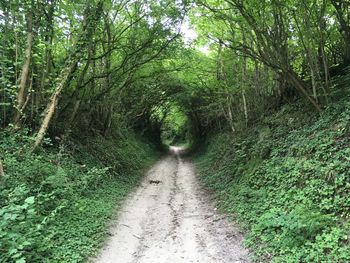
[170, 220]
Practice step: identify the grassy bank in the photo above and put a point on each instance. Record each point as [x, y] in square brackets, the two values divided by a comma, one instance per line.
[288, 182]
[55, 204]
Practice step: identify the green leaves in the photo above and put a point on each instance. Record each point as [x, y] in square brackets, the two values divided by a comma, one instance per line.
[294, 203]
[55, 205]
[30, 200]
[18, 225]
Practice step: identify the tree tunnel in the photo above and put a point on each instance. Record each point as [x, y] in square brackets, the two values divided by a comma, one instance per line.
[169, 119]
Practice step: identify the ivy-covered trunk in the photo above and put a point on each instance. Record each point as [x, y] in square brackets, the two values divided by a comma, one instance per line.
[23, 95]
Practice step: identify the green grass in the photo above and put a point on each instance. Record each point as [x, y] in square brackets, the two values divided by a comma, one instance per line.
[55, 205]
[81, 228]
[287, 182]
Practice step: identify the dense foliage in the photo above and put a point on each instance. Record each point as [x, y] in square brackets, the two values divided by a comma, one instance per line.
[89, 89]
[55, 205]
[287, 182]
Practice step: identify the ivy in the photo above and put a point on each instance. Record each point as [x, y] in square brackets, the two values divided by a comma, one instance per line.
[293, 203]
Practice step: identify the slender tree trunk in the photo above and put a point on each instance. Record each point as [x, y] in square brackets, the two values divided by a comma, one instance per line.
[48, 50]
[109, 47]
[2, 172]
[313, 81]
[220, 64]
[108, 121]
[293, 78]
[74, 112]
[4, 111]
[14, 21]
[46, 72]
[29, 94]
[107, 63]
[3, 65]
[243, 79]
[21, 96]
[245, 108]
[325, 66]
[324, 62]
[230, 116]
[325, 71]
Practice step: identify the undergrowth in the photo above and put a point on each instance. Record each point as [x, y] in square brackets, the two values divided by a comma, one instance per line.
[55, 204]
[288, 181]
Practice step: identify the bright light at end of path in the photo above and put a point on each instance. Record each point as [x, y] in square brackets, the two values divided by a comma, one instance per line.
[176, 149]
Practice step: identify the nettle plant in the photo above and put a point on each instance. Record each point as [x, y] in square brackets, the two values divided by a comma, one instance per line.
[20, 225]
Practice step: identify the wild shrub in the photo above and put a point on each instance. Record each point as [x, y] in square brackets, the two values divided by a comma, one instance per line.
[55, 204]
[289, 188]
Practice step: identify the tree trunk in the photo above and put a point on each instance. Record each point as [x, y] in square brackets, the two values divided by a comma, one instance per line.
[48, 42]
[313, 80]
[108, 121]
[21, 96]
[229, 112]
[46, 72]
[74, 112]
[347, 49]
[82, 40]
[344, 29]
[322, 53]
[107, 63]
[2, 172]
[5, 43]
[51, 106]
[245, 108]
[220, 64]
[293, 78]
[243, 81]
[324, 64]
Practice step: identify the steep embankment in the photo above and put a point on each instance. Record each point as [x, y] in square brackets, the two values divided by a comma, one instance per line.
[55, 205]
[287, 181]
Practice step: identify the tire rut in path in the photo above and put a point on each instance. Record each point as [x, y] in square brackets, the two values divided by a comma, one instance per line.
[169, 218]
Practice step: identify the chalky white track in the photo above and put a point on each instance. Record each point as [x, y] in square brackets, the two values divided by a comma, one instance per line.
[172, 221]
